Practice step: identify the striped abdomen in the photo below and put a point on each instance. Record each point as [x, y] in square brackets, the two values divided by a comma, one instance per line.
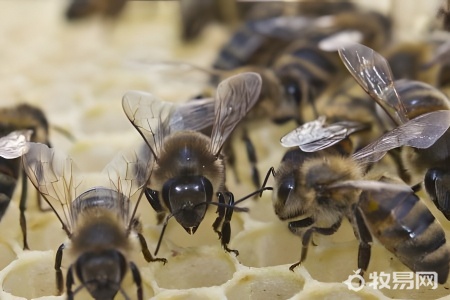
[405, 226]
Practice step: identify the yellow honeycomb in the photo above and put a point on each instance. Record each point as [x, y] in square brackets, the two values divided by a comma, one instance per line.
[77, 73]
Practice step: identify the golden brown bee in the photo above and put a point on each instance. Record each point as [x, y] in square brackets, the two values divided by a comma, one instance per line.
[83, 8]
[98, 221]
[406, 100]
[21, 117]
[315, 191]
[189, 169]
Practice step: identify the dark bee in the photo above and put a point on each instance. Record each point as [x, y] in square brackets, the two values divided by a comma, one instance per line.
[444, 14]
[83, 8]
[21, 117]
[404, 100]
[326, 186]
[189, 168]
[258, 42]
[98, 221]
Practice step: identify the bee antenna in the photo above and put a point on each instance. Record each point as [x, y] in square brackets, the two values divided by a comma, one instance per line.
[64, 132]
[263, 188]
[258, 191]
[163, 230]
[125, 296]
[238, 209]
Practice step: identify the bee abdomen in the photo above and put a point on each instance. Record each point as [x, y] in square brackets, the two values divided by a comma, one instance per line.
[405, 226]
[7, 187]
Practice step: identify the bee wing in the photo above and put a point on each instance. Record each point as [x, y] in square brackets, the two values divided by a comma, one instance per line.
[373, 74]
[52, 175]
[282, 27]
[15, 144]
[420, 132]
[128, 173]
[316, 135]
[235, 96]
[442, 194]
[371, 185]
[340, 39]
[193, 115]
[155, 118]
[149, 115]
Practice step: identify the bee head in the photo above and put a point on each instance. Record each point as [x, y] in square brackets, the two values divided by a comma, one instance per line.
[101, 272]
[187, 198]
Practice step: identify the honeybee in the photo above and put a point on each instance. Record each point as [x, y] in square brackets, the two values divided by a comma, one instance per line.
[189, 167]
[20, 117]
[258, 42]
[372, 72]
[322, 184]
[98, 221]
[78, 9]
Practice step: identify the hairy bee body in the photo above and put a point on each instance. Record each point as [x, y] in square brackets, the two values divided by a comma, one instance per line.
[19, 117]
[98, 229]
[346, 96]
[405, 226]
[184, 159]
[79, 9]
[307, 193]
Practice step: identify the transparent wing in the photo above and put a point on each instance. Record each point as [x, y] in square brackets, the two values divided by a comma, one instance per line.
[150, 116]
[340, 39]
[316, 135]
[373, 74]
[420, 132]
[15, 144]
[370, 185]
[193, 115]
[128, 174]
[235, 96]
[53, 176]
[155, 118]
[282, 27]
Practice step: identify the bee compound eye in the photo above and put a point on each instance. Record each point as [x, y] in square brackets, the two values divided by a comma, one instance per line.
[285, 188]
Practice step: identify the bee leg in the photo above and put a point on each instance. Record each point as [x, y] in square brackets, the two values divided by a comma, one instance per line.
[137, 279]
[22, 208]
[251, 154]
[365, 241]
[144, 247]
[226, 228]
[69, 284]
[153, 198]
[147, 255]
[437, 184]
[220, 215]
[307, 236]
[231, 160]
[59, 275]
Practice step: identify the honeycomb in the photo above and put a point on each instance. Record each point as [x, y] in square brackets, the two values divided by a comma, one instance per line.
[77, 73]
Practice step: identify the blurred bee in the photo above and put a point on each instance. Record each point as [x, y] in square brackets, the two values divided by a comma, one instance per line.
[258, 42]
[408, 60]
[405, 100]
[290, 87]
[79, 9]
[444, 14]
[322, 184]
[20, 117]
[189, 167]
[196, 14]
[98, 221]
